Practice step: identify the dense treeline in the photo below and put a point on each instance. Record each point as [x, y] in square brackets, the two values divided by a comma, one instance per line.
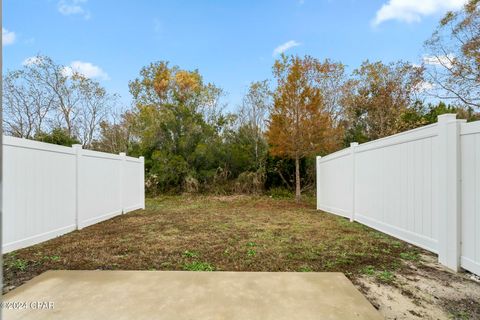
[179, 123]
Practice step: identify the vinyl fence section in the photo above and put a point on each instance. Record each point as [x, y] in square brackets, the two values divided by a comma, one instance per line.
[421, 186]
[49, 190]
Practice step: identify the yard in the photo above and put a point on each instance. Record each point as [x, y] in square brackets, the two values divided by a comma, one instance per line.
[247, 233]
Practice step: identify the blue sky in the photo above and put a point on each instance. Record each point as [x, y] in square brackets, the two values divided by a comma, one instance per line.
[231, 42]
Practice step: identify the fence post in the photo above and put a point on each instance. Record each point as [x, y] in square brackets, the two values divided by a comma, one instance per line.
[318, 181]
[123, 159]
[353, 146]
[142, 181]
[78, 153]
[449, 174]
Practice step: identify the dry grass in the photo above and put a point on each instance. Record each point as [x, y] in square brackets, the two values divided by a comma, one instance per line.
[236, 233]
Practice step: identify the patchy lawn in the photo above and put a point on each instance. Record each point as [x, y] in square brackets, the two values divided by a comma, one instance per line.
[243, 233]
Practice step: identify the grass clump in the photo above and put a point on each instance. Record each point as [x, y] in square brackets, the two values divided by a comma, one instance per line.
[305, 269]
[385, 276]
[198, 266]
[369, 270]
[410, 255]
[17, 264]
[280, 193]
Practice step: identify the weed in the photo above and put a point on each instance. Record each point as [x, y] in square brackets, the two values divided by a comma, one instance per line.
[396, 244]
[198, 266]
[280, 193]
[385, 276]
[190, 254]
[461, 315]
[19, 264]
[369, 270]
[251, 253]
[305, 269]
[329, 265]
[411, 255]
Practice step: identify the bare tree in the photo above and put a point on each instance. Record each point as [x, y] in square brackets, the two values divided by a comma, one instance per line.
[26, 105]
[55, 81]
[330, 79]
[375, 98]
[452, 64]
[115, 134]
[254, 112]
[94, 106]
[44, 96]
[211, 105]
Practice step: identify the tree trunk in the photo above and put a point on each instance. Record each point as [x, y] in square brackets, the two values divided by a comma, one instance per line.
[256, 153]
[297, 179]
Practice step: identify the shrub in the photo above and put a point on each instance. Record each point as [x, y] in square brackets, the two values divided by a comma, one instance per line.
[250, 182]
[280, 193]
[191, 185]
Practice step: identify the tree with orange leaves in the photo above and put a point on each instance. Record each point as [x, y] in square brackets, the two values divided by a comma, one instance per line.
[300, 124]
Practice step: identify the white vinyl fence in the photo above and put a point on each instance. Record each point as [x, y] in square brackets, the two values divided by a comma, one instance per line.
[422, 186]
[49, 190]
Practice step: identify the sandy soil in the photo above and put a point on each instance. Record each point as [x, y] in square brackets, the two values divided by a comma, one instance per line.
[425, 291]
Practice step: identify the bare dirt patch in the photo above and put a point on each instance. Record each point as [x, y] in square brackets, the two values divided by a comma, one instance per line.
[426, 291]
[246, 233]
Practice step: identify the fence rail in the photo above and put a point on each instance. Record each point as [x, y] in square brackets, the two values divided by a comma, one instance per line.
[49, 190]
[422, 186]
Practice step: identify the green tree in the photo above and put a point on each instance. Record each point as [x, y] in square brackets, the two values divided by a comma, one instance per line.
[56, 136]
[177, 124]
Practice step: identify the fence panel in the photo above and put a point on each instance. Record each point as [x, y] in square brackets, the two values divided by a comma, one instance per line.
[134, 193]
[470, 154]
[422, 186]
[49, 190]
[395, 186]
[99, 187]
[38, 192]
[335, 187]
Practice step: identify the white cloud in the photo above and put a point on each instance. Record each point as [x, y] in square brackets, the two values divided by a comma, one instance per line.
[87, 69]
[424, 86]
[285, 46]
[413, 10]
[32, 60]
[73, 7]
[445, 61]
[8, 37]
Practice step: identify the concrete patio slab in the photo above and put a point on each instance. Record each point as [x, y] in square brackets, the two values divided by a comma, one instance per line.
[187, 295]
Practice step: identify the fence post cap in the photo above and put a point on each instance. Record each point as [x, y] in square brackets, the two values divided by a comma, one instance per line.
[447, 117]
[123, 154]
[141, 158]
[353, 144]
[77, 146]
